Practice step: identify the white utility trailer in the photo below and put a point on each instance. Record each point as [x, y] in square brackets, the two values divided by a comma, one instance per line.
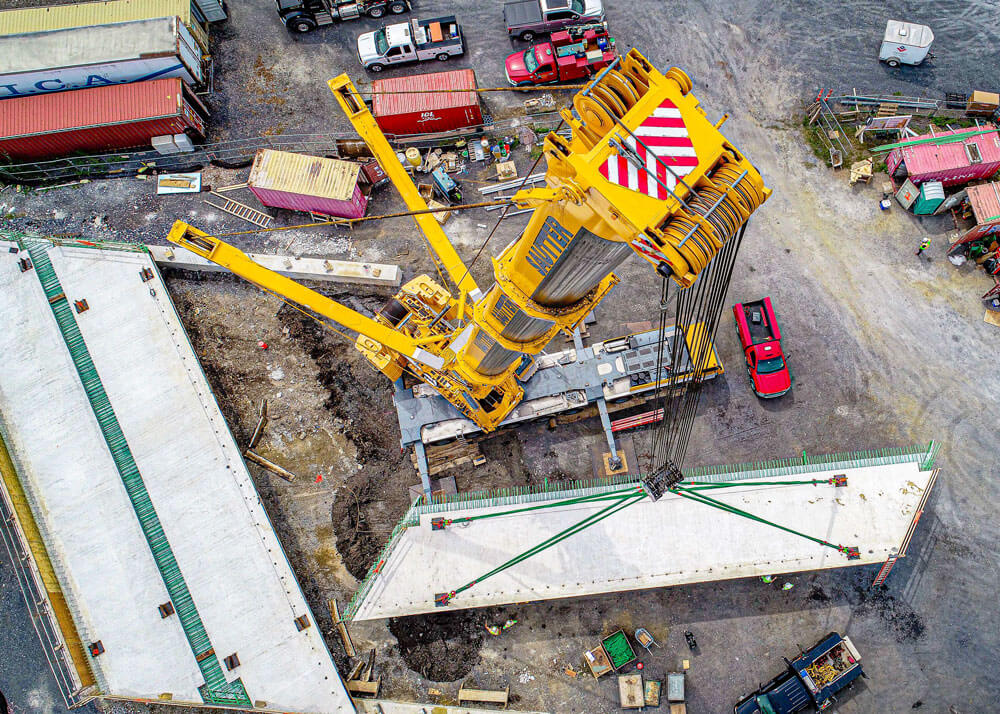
[905, 43]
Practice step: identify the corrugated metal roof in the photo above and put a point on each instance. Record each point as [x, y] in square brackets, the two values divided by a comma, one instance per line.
[926, 158]
[302, 174]
[87, 45]
[43, 113]
[985, 201]
[384, 103]
[59, 17]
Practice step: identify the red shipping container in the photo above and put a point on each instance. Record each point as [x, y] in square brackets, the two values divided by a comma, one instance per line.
[985, 202]
[307, 183]
[419, 104]
[99, 119]
[975, 157]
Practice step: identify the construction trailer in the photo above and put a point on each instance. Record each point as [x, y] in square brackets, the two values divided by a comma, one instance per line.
[984, 200]
[299, 182]
[905, 43]
[952, 157]
[424, 103]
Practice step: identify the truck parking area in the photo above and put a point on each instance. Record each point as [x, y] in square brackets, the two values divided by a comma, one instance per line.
[886, 350]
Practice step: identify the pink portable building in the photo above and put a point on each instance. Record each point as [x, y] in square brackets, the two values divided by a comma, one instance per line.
[307, 183]
[975, 157]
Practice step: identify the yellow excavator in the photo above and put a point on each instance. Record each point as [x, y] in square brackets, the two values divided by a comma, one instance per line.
[644, 172]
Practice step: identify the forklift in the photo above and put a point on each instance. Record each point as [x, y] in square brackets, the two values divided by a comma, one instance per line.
[306, 15]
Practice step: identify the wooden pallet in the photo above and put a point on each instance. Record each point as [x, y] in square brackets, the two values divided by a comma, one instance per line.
[887, 110]
[446, 456]
[241, 210]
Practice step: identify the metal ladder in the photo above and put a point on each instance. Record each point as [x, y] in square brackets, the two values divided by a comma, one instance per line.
[216, 689]
[241, 210]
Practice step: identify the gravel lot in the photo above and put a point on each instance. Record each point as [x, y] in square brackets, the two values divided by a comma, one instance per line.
[887, 350]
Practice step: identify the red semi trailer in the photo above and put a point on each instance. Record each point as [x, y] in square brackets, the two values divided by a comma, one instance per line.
[97, 120]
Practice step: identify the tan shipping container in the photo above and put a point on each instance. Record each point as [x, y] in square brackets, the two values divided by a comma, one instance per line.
[62, 17]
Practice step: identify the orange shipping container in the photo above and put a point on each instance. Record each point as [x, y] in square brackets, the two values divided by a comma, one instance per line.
[100, 119]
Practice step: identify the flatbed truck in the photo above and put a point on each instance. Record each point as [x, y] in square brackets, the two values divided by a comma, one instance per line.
[809, 680]
[439, 39]
[571, 54]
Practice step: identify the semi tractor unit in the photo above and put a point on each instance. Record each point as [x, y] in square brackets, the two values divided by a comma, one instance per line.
[307, 15]
[613, 189]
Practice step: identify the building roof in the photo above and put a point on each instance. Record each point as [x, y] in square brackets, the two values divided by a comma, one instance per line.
[304, 175]
[212, 539]
[927, 158]
[985, 202]
[81, 46]
[85, 14]
[672, 541]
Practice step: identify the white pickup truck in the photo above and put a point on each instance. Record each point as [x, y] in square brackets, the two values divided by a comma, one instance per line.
[415, 41]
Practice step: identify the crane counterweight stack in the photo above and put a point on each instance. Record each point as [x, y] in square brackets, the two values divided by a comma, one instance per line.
[644, 172]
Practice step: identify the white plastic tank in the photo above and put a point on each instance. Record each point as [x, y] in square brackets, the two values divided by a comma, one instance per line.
[905, 43]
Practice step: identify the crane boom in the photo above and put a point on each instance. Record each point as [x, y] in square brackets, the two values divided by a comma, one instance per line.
[645, 172]
[428, 224]
[239, 263]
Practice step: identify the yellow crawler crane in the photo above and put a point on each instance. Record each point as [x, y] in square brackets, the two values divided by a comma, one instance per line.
[645, 172]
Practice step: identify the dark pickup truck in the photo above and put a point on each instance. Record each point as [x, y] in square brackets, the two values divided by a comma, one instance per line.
[809, 680]
[529, 18]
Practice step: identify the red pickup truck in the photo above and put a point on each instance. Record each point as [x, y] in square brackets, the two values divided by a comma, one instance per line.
[760, 338]
[571, 54]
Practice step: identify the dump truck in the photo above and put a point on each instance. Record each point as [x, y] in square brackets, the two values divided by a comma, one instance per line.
[528, 19]
[760, 339]
[571, 54]
[307, 15]
[415, 41]
[809, 680]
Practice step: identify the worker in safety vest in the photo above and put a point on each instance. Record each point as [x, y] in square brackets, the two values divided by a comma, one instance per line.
[924, 245]
[767, 578]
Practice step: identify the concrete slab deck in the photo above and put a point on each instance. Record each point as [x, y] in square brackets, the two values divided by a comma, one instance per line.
[670, 542]
[234, 567]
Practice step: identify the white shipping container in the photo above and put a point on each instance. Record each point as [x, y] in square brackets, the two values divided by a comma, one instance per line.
[97, 56]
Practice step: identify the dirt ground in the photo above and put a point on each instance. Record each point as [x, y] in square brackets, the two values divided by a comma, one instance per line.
[886, 349]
